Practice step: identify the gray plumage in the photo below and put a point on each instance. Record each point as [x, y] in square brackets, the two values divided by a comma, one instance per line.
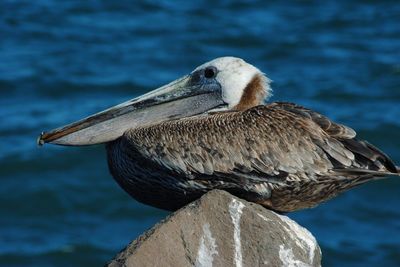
[280, 155]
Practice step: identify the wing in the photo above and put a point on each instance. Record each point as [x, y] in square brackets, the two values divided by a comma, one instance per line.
[271, 143]
[367, 157]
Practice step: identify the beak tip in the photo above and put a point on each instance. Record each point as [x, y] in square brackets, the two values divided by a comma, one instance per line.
[40, 141]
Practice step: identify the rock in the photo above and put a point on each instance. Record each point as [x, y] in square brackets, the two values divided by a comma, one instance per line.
[222, 230]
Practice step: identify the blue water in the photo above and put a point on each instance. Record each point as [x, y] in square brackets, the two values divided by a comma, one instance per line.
[62, 60]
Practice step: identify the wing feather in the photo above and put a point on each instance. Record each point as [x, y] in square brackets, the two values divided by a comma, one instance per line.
[265, 143]
[333, 129]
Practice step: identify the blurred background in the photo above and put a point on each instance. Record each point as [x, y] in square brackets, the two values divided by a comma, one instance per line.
[63, 60]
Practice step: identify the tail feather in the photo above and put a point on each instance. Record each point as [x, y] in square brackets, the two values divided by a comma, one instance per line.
[366, 171]
[370, 157]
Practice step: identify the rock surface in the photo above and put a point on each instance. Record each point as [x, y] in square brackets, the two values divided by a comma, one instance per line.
[222, 230]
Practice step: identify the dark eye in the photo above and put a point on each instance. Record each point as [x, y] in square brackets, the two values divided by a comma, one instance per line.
[210, 72]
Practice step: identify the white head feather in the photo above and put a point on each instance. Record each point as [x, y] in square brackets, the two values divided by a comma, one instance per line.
[234, 74]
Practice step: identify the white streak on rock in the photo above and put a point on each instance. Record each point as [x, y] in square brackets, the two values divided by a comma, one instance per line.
[264, 218]
[302, 237]
[235, 210]
[207, 249]
[288, 259]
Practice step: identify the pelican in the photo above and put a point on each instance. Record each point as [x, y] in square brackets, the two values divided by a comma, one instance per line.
[211, 129]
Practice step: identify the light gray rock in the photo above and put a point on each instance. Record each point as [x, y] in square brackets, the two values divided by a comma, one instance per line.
[222, 230]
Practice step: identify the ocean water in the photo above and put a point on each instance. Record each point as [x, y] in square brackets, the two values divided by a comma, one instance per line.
[63, 60]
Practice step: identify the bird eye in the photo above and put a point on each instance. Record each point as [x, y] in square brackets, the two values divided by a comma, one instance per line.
[210, 72]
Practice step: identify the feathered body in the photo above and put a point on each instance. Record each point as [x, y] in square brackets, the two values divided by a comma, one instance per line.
[282, 156]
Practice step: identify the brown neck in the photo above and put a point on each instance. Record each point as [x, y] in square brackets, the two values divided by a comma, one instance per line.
[253, 94]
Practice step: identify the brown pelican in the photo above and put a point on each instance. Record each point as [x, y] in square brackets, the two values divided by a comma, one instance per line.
[212, 130]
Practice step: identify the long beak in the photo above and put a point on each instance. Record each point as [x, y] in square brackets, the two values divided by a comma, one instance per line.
[181, 98]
